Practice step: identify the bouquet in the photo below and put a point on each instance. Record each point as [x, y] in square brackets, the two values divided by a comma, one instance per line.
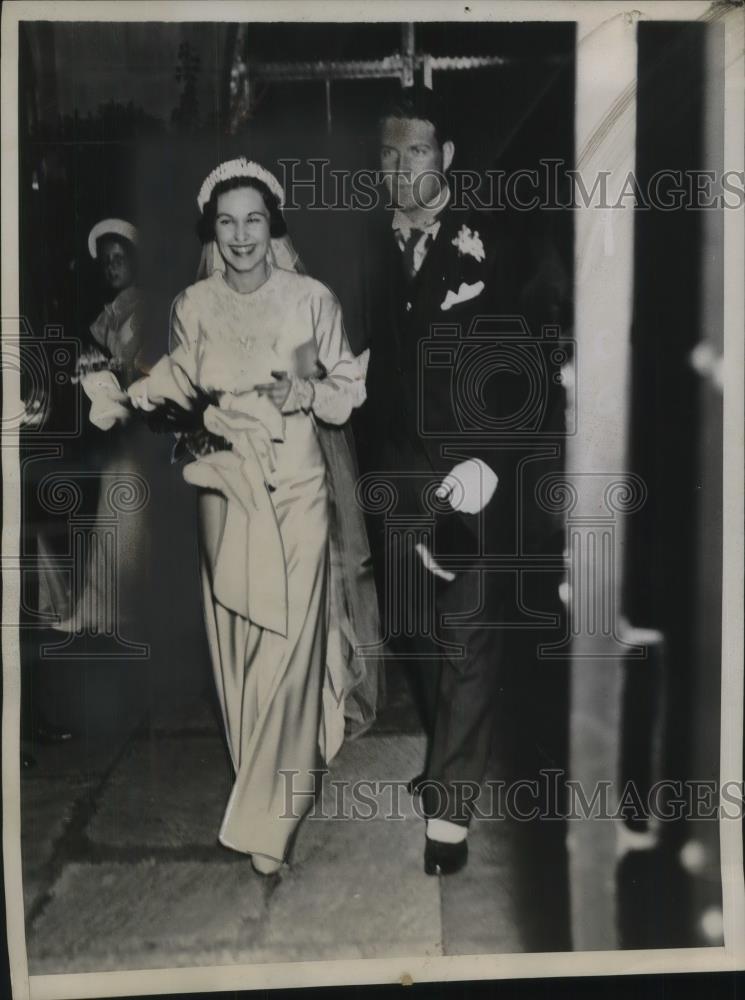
[188, 426]
[93, 361]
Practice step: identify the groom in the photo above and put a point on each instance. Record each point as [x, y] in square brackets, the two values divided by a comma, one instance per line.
[433, 270]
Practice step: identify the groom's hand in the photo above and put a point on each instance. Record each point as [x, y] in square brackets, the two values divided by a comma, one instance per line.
[432, 564]
[469, 486]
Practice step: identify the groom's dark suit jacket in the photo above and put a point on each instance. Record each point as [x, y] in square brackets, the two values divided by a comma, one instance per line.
[458, 370]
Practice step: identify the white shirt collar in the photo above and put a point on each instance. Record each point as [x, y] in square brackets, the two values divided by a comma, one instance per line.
[430, 216]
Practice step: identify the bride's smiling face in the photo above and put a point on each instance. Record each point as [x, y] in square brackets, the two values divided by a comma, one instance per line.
[242, 229]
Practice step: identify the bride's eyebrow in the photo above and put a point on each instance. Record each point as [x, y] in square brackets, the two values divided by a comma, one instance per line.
[255, 211]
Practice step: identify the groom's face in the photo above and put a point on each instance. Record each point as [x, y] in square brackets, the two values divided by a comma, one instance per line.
[413, 160]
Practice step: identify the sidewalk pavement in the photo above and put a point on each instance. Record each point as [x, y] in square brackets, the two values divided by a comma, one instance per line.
[122, 868]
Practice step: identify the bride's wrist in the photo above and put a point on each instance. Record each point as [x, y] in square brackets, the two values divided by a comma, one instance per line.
[300, 397]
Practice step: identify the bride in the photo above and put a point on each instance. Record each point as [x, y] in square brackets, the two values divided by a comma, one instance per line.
[260, 355]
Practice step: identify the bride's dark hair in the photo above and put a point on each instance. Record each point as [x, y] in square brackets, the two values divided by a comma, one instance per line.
[206, 224]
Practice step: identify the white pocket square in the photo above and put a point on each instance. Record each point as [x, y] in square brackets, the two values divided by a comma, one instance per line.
[464, 293]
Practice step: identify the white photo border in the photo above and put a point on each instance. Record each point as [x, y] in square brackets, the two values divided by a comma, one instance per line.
[588, 14]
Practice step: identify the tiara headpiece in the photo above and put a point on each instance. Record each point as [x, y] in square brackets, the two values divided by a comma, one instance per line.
[239, 168]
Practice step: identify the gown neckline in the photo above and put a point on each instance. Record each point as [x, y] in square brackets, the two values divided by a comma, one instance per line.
[246, 295]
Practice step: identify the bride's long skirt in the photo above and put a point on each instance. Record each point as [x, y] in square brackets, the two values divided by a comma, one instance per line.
[270, 686]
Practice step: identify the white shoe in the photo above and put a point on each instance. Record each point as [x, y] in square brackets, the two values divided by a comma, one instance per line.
[445, 831]
[265, 865]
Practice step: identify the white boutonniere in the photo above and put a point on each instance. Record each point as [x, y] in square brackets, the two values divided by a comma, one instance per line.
[464, 293]
[469, 242]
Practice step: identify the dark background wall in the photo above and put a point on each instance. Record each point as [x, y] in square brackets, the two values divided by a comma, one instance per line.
[674, 696]
[128, 119]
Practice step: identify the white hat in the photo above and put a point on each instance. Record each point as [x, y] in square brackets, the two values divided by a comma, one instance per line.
[110, 227]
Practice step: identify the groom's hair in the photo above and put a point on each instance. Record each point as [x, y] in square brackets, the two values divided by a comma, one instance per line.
[206, 224]
[420, 104]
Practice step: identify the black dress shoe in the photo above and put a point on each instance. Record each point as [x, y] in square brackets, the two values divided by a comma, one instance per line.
[444, 859]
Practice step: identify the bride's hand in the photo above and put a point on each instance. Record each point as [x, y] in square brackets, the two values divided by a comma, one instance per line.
[277, 391]
[140, 397]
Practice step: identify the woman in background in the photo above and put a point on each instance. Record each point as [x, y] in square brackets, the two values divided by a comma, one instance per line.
[105, 599]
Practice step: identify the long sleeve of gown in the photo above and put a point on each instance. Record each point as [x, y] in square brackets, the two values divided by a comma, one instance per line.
[341, 388]
[175, 377]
